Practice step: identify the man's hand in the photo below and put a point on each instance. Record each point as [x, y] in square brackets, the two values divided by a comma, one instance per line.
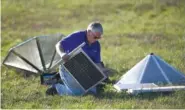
[65, 58]
[106, 71]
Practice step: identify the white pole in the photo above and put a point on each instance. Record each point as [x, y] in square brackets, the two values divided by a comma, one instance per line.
[155, 89]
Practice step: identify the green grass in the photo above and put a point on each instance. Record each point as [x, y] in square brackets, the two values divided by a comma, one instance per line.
[132, 29]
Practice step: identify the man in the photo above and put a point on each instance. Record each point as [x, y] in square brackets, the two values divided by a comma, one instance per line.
[90, 37]
[92, 48]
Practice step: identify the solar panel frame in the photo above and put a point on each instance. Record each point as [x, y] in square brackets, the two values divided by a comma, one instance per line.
[73, 54]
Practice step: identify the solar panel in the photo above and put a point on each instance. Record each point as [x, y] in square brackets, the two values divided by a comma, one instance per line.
[85, 72]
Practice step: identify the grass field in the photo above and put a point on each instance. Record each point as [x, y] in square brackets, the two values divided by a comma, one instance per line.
[132, 29]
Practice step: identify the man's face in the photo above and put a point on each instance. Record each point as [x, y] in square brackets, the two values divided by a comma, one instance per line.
[93, 36]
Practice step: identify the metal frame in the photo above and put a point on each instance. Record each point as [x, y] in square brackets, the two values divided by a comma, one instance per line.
[40, 71]
[79, 50]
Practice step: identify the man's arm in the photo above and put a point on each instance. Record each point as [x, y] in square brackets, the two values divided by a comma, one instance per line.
[61, 52]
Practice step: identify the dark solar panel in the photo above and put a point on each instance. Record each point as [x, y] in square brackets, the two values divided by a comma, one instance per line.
[83, 71]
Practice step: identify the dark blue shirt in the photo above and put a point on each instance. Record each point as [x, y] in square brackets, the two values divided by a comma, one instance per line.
[73, 40]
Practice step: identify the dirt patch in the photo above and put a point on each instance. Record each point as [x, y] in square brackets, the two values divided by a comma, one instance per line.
[142, 8]
[126, 6]
[147, 38]
[170, 2]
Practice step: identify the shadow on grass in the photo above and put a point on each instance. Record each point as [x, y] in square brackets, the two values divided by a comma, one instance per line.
[25, 74]
[125, 96]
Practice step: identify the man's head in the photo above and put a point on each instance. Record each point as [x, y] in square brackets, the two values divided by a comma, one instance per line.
[94, 32]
